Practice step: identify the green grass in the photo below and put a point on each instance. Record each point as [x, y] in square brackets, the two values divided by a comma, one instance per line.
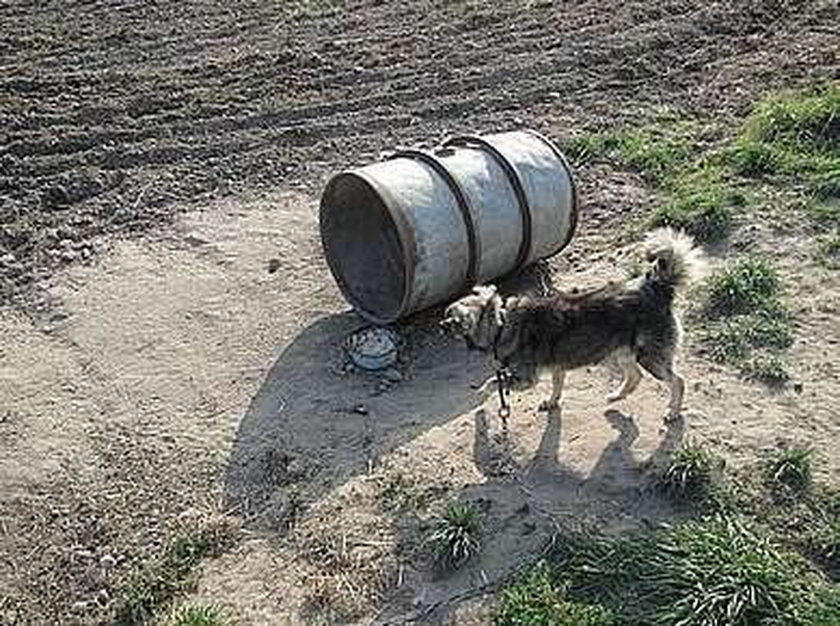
[791, 134]
[538, 599]
[734, 339]
[689, 475]
[695, 196]
[769, 369]
[747, 285]
[161, 581]
[456, 535]
[792, 469]
[656, 153]
[700, 202]
[697, 573]
[745, 322]
[197, 615]
[828, 251]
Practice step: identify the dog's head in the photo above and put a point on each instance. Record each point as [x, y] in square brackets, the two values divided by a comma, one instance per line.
[476, 317]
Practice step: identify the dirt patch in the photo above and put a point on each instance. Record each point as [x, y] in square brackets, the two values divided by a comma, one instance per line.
[161, 379]
[114, 118]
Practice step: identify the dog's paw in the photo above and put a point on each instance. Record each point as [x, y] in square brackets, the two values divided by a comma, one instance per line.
[549, 405]
[672, 416]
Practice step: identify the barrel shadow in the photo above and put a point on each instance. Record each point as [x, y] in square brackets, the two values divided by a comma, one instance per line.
[310, 428]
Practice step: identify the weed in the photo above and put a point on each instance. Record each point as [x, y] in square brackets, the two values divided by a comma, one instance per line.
[713, 571]
[655, 153]
[688, 477]
[792, 469]
[700, 202]
[745, 286]
[828, 252]
[792, 134]
[163, 580]
[537, 599]
[732, 339]
[745, 313]
[400, 494]
[704, 215]
[767, 368]
[197, 615]
[456, 534]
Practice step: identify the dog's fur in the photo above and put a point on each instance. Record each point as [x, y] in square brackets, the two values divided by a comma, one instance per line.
[633, 322]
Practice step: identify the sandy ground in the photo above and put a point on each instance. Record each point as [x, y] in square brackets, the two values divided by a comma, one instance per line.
[154, 374]
[177, 378]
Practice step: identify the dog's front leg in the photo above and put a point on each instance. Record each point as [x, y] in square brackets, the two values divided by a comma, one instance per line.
[558, 376]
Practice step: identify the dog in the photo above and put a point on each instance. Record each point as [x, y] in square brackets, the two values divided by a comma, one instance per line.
[633, 322]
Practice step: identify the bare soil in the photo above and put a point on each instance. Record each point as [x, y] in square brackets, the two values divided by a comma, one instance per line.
[154, 374]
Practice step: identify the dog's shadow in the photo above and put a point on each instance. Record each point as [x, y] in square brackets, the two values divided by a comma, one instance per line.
[528, 500]
[309, 428]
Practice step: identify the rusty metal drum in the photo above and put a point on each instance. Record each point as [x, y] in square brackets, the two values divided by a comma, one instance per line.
[422, 227]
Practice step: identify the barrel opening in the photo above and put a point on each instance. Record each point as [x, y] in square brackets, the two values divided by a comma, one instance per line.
[363, 248]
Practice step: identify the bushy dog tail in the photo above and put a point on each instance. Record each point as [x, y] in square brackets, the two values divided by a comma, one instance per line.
[676, 260]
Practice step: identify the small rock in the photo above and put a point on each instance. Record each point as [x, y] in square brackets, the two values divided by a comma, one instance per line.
[79, 607]
[294, 468]
[361, 409]
[103, 597]
[273, 265]
[798, 387]
[107, 561]
[84, 555]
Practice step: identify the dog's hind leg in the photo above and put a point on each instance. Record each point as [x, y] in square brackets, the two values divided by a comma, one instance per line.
[558, 376]
[661, 366]
[632, 375]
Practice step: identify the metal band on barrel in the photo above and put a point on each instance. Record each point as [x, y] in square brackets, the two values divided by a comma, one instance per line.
[463, 203]
[471, 141]
[573, 215]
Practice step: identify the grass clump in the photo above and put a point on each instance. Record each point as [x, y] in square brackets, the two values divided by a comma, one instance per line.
[744, 286]
[456, 535]
[732, 339]
[689, 475]
[655, 153]
[769, 369]
[698, 573]
[700, 203]
[792, 469]
[793, 133]
[197, 615]
[538, 599]
[746, 322]
[828, 252]
[163, 580]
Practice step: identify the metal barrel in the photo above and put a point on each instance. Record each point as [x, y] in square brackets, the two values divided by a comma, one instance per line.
[423, 227]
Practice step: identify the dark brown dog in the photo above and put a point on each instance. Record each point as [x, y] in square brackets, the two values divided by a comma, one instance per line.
[633, 322]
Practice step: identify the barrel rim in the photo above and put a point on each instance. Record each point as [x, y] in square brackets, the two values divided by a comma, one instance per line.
[391, 211]
[574, 211]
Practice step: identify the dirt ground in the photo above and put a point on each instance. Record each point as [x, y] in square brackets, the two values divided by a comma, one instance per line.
[153, 373]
